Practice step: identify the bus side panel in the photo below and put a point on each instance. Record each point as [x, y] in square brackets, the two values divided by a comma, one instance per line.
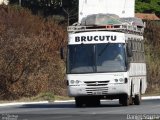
[137, 75]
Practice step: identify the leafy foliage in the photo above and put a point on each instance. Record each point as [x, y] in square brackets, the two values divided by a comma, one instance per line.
[29, 57]
[51, 8]
[148, 6]
[152, 47]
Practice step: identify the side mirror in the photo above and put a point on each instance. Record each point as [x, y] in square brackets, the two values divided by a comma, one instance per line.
[62, 52]
[129, 51]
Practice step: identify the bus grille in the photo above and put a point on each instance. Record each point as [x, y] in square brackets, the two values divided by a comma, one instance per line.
[97, 91]
[96, 83]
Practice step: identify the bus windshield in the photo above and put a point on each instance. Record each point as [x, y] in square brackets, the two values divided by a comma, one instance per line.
[96, 58]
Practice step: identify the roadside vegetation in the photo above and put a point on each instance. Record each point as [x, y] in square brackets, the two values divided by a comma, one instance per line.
[29, 54]
[30, 64]
[152, 49]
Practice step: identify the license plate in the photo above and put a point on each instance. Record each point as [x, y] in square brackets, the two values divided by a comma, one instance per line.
[97, 93]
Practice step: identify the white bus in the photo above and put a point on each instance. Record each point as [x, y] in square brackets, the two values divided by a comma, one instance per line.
[105, 63]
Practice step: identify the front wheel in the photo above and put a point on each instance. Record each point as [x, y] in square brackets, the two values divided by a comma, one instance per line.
[124, 100]
[78, 102]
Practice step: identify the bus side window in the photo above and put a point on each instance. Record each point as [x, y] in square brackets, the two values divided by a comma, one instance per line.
[129, 48]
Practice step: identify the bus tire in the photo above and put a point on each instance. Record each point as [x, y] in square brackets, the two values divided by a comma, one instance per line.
[78, 102]
[125, 101]
[137, 99]
[120, 101]
[131, 96]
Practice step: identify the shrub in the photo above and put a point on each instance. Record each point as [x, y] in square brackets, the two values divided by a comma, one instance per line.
[152, 45]
[29, 54]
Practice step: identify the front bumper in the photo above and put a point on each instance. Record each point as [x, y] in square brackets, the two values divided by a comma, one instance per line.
[110, 89]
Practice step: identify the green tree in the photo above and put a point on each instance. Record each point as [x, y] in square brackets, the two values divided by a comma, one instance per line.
[70, 7]
[47, 6]
[148, 6]
[56, 8]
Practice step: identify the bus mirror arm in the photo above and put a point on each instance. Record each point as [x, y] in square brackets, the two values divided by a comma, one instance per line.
[62, 53]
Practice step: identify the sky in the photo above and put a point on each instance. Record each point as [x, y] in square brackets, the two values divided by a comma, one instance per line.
[4, 2]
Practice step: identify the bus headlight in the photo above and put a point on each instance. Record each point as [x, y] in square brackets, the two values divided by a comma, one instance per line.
[116, 80]
[121, 80]
[77, 81]
[74, 82]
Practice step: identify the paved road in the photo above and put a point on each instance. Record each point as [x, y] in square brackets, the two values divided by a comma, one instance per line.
[109, 110]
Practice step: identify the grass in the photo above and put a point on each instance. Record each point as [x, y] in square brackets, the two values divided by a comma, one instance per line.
[63, 98]
[46, 97]
[155, 93]
[41, 97]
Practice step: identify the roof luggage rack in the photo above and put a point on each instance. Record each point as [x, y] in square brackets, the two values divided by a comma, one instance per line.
[125, 28]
